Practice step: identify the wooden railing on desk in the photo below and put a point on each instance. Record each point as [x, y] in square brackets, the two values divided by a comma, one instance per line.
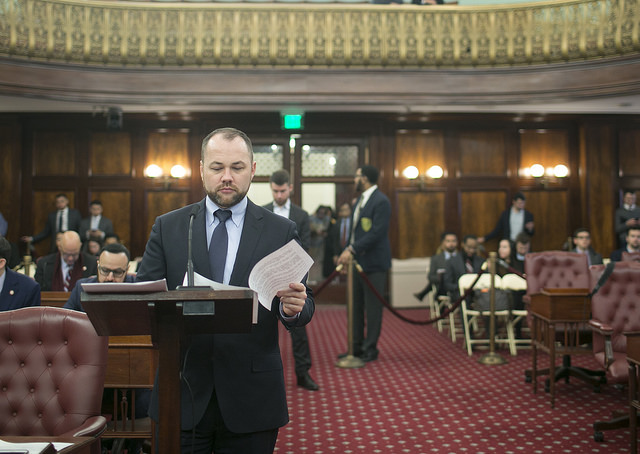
[131, 365]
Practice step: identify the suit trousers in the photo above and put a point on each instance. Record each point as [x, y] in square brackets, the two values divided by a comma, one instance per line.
[211, 435]
[367, 306]
[300, 347]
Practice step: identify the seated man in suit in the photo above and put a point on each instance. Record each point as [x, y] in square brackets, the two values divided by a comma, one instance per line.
[61, 270]
[96, 225]
[466, 261]
[437, 265]
[16, 290]
[61, 220]
[633, 244]
[113, 263]
[582, 242]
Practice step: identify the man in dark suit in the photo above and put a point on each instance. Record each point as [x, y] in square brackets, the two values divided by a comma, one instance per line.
[61, 220]
[96, 225]
[233, 393]
[437, 265]
[282, 205]
[632, 241]
[582, 244]
[466, 261]
[16, 290]
[512, 221]
[61, 270]
[369, 245]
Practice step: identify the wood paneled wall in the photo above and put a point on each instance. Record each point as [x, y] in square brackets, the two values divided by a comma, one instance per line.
[482, 155]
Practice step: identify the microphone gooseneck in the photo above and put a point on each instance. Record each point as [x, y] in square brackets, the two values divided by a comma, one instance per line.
[192, 214]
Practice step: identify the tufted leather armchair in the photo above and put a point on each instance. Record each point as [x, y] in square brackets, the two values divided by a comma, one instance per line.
[560, 269]
[52, 368]
[615, 309]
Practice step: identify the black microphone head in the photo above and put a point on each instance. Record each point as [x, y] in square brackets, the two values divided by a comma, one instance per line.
[195, 210]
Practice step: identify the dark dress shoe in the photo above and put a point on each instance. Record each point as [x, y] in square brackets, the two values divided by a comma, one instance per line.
[307, 382]
[368, 357]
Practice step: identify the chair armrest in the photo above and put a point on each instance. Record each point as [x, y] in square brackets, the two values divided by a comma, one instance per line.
[602, 328]
[606, 331]
[92, 427]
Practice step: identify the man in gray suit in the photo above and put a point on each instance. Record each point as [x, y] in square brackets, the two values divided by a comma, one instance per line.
[438, 263]
[96, 225]
[281, 190]
[232, 389]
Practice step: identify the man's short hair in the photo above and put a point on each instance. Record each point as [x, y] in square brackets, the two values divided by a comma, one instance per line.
[95, 202]
[370, 172]
[633, 227]
[445, 234]
[523, 238]
[519, 196]
[5, 248]
[116, 248]
[469, 237]
[279, 177]
[580, 230]
[228, 134]
[62, 194]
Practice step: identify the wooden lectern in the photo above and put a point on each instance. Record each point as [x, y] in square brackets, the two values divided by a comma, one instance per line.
[168, 317]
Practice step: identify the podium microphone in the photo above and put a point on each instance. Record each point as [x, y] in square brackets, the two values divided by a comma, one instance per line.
[192, 214]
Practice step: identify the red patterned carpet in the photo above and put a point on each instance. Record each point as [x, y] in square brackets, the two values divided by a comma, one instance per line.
[425, 395]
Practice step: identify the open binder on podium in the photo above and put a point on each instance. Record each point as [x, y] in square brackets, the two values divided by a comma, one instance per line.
[168, 316]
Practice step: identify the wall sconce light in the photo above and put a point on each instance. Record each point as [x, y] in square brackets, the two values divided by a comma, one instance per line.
[156, 173]
[545, 176]
[412, 174]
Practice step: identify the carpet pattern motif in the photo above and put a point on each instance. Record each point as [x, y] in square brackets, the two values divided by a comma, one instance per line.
[425, 395]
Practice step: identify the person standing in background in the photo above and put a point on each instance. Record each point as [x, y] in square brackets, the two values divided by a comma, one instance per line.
[281, 191]
[512, 222]
[61, 220]
[627, 216]
[96, 225]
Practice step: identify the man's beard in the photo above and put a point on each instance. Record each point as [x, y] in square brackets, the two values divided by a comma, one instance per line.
[359, 186]
[226, 202]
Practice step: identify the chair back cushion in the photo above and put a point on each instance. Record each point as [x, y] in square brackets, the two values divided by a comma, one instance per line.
[630, 256]
[556, 269]
[617, 303]
[52, 367]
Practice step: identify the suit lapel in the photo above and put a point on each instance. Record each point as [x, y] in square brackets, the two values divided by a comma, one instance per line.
[199, 245]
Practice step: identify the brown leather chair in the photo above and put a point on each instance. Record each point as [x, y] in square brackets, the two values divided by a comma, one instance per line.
[614, 311]
[52, 369]
[631, 256]
[559, 269]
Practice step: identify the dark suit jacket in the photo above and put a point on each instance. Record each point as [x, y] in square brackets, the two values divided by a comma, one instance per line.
[105, 225]
[456, 268]
[50, 228]
[245, 370]
[594, 257]
[437, 262]
[18, 291]
[371, 234]
[616, 256]
[301, 218]
[502, 229]
[49, 271]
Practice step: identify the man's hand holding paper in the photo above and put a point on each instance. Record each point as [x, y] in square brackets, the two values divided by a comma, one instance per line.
[280, 275]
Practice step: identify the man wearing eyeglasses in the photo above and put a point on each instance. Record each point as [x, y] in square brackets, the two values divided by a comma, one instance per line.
[113, 263]
[61, 270]
[582, 243]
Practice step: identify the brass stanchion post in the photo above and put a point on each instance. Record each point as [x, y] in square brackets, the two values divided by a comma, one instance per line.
[492, 358]
[350, 361]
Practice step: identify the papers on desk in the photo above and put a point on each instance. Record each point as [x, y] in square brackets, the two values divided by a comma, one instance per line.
[125, 287]
[274, 272]
[31, 448]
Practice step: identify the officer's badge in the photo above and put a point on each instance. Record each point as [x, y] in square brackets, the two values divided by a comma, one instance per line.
[365, 223]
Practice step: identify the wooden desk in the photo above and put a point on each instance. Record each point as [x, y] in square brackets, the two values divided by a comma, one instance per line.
[633, 357]
[56, 299]
[555, 312]
[81, 445]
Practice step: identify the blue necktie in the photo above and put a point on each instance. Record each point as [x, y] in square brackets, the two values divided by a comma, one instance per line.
[218, 246]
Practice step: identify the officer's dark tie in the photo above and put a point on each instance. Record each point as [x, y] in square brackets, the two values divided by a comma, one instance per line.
[60, 214]
[218, 246]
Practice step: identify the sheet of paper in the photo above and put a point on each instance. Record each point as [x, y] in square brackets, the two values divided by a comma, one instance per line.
[31, 448]
[277, 270]
[125, 287]
[200, 280]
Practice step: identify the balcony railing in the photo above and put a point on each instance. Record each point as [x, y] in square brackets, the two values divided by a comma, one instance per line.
[305, 35]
